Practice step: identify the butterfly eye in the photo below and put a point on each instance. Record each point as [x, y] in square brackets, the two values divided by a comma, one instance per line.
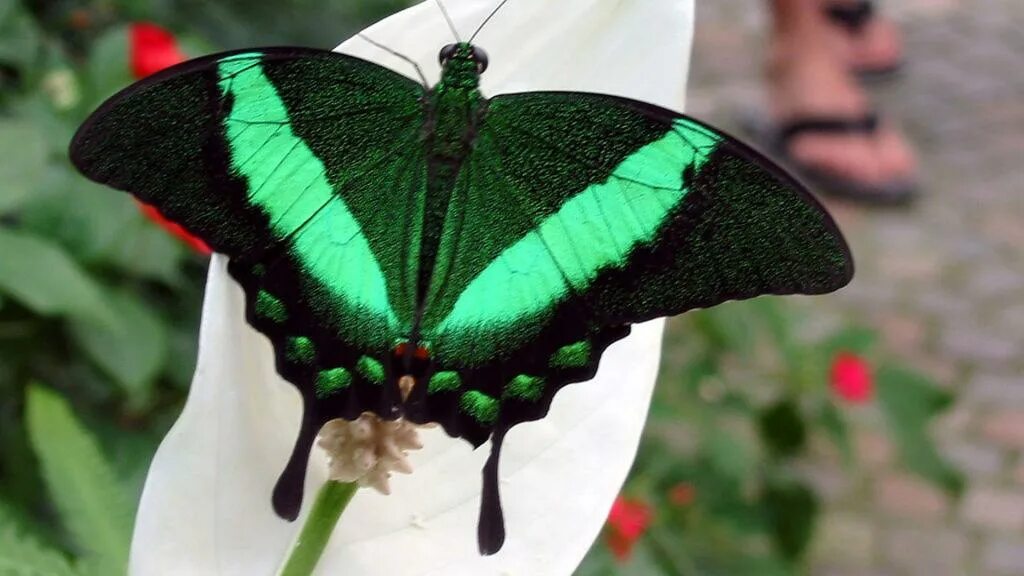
[447, 53]
[480, 57]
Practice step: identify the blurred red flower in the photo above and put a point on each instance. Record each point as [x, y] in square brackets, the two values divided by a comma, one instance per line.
[851, 378]
[175, 229]
[682, 494]
[152, 49]
[627, 522]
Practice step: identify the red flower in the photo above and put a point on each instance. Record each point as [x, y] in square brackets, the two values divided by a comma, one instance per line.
[682, 494]
[627, 522]
[851, 378]
[152, 49]
[153, 214]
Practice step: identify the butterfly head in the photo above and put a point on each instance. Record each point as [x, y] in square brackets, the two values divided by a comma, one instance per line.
[463, 57]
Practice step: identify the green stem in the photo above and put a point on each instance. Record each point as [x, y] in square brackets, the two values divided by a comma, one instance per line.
[330, 503]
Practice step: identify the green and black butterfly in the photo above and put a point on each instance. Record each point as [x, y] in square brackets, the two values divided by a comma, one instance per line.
[432, 254]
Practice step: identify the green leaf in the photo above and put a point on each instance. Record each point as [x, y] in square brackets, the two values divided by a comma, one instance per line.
[108, 67]
[726, 328]
[80, 481]
[661, 544]
[778, 319]
[757, 566]
[728, 455]
[910, 401]
[19, 38]
[837, 430]
[146, 251]
[20, 480]
[39, 275]
[105, 228]
[22, 555]
[792, 509]
[856, 340]
[642, 562]
[132, 351]
[24, 154]
[782, 428]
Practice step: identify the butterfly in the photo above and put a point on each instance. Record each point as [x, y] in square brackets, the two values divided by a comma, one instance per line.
[429, 253]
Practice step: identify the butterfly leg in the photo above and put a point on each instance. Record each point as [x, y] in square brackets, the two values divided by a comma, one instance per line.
[389, 405]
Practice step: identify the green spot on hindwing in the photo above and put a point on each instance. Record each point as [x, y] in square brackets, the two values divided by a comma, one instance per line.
[444, 382]
[483, 408]
[371, 369]
[523, 387]
[269, 307]
[300, 350]
[572, 356]
[330, 382]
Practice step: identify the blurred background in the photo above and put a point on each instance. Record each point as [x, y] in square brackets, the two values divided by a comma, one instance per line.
[878, 431]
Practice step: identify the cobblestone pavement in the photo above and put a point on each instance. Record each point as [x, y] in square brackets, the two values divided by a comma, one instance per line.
[943, 281]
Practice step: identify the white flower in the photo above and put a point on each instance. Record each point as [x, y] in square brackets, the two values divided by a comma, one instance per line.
[206, 506]
[62, 88]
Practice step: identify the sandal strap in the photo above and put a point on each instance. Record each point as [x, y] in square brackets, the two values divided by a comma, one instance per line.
[866, 124]
[851, 15]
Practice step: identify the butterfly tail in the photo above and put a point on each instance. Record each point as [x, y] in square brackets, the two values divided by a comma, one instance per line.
[288, 492]
[491, 527]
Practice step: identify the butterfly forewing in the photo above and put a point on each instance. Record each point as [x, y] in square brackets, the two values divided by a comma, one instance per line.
[306, 168]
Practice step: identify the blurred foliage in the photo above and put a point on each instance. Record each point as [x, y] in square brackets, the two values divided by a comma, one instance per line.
[102, 305]
[745, 407]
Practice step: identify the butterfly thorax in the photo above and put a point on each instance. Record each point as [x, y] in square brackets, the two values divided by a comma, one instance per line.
[455, 106]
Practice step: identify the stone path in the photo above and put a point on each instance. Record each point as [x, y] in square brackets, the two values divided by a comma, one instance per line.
[943, 281]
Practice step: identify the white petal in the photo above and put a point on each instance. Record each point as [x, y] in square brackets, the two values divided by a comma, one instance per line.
[206, 506]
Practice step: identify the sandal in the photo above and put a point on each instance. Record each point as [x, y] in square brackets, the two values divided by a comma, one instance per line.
[853, 17]
[777, 138]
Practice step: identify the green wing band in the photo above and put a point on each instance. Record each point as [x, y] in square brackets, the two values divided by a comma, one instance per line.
[289, 182]
[597, 228]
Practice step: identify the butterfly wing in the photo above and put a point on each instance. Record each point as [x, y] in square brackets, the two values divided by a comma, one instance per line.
[306, 168]
[581, 214]
[577, 215]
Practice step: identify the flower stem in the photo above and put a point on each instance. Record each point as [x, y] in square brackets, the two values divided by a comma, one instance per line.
[330, 503]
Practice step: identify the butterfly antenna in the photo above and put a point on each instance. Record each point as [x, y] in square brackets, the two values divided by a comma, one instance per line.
[448, 19]
[396, 54]
[488, 19]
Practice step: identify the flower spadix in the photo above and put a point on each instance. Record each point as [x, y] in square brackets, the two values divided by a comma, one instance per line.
[206, 506]
[368, 449]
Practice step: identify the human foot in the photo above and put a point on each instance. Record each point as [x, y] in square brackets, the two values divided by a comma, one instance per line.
[823, 125]
[870, 43]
